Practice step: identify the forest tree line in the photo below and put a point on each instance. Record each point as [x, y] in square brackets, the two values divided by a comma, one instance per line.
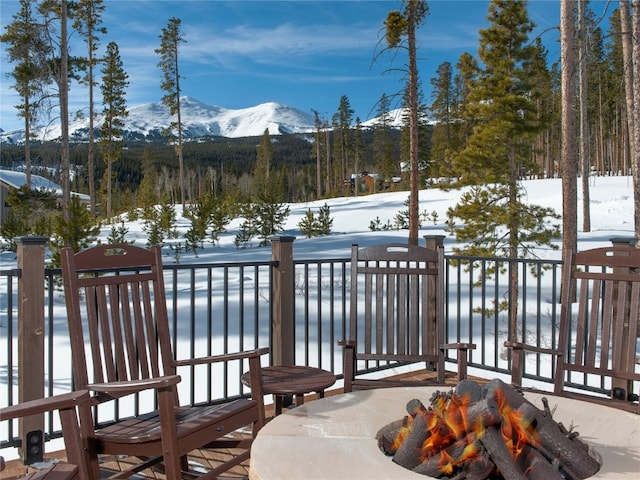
[493, 117]
[214, 165]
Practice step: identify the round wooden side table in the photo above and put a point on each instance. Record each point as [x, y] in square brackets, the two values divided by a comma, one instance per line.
[292, 380]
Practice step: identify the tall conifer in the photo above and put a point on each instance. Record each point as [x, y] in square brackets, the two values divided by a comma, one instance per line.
[29, 50]
[400, 25]
[170, 41]
[343, 141]
[442, 112]
[114, 83]
[262, 172]
[384, 149]
[87, 20]
[495, 218]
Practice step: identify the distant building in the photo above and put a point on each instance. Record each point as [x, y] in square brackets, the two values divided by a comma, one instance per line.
[370, 182]
[11, 179]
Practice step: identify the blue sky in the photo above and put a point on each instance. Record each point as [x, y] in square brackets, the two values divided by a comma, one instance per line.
[305, 54]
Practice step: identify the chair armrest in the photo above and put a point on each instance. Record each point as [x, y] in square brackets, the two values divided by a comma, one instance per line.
[41, 405]
[518, 350]
[349, 363]
[226, 357]
[458, 346]
[133, 386]
[463, 352]
[531, 348]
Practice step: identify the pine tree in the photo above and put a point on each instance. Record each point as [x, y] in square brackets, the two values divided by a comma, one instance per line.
[329, 190]
[468, 71]
[262, 172]
[317, 140]
[30, 51]
[343, 141]
[269, 219]
[170, 41]
[325, 221]
[32, 212]
[56, 12]
[546, 101]
[219, 219]
[87, 15]
[424, 143]
[384, 149]
[308, 224]
[267, 211]
[502, 100]
[398, 25]
[442, 110]
[199, 214]
[114, 83]
[77, 231]
[359, 149]
[147, 195]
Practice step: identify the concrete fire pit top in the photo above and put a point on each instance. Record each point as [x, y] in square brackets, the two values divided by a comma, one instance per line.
[335, 437]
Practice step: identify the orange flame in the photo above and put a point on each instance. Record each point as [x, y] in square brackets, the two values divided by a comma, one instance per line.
[402, 433]
[516, 429]
[447, 422]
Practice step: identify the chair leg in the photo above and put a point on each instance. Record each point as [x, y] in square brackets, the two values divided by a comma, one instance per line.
[463, 355]
[349, 367]
[89, 442]
[517, 366]
[172, 463]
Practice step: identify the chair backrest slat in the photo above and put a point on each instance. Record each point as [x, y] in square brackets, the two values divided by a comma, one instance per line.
[608, 322]
[599, 337]
[119, 297]
[128, 349]
[393, 298]
[116, 293]
[634, 323]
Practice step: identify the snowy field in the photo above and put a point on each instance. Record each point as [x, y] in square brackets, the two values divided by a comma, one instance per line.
[611, 216]
[611, 201]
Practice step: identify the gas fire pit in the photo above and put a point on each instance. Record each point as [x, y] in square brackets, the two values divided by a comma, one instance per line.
[485, 432]
[337, 437]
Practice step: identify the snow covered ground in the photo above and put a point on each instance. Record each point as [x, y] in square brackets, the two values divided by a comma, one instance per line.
[611, 216]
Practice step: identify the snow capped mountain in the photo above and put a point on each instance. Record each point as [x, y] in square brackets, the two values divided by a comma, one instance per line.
[198, 120]
[395, 119]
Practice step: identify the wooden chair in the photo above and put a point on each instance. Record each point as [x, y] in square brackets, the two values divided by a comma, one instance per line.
[397, 314]
[75, 466]
[115, 296]
[599, 328]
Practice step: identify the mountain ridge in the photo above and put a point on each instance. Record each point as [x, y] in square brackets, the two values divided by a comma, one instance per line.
[199, 120]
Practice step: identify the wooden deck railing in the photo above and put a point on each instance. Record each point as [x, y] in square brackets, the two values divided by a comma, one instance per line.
[297, 307]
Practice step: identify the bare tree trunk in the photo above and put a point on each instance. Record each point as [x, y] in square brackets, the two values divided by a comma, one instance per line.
[90, 147]
[584, 124]
[413, 125]
[627, 60]
[180, 158]
[569, 160]
[109, 190]
[514, 235]
[635, 141]
[318, 165]
[27, 140]
[63, 86]
[329, 189]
